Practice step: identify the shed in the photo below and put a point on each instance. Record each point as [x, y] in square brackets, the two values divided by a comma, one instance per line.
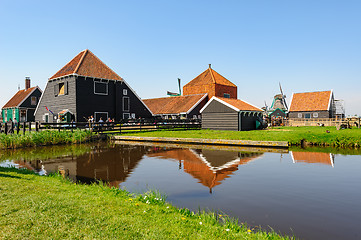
[230, 114]
[278, 113]
[66, 116]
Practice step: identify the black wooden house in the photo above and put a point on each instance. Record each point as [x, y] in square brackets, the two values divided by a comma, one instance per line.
[87, 87]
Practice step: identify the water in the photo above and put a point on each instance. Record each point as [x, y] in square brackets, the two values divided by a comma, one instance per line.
[312, 195]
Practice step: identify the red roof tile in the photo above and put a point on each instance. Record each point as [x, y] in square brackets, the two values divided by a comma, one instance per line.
[240, 105]
[89, 65]
[18, 97]
[172, 105]
[310, 101]
[210, 76]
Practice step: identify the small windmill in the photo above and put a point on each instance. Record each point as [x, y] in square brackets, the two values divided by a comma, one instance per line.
[283, 98]
[176, 94]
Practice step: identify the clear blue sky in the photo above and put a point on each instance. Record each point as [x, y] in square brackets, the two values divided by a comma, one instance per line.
[306, 45]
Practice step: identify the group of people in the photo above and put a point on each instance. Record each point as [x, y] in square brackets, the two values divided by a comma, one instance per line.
[11, 125]
[91, 120]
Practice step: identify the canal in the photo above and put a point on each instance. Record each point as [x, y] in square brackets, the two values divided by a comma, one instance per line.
[311, 194]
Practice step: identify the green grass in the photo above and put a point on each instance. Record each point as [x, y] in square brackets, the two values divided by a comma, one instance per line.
[38, 207]
[294, 135]
[43, 138]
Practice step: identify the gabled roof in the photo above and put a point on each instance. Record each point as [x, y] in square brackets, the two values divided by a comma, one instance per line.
[210, 76]
[311, 101]
[236, 104]
[174, 105]
[89, 65]
[20, 97]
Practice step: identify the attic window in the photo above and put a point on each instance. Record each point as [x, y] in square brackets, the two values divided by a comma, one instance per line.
[61, 89]
[226, 95]
[33, 101]
[101, 88]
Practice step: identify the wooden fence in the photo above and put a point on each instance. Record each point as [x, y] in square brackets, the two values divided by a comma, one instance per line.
[124, 126]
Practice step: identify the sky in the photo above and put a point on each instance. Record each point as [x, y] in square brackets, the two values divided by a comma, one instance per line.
[304, 45]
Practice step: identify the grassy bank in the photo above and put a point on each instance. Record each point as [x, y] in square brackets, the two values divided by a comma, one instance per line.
[43, 138]
[321, 136]
[38, 207]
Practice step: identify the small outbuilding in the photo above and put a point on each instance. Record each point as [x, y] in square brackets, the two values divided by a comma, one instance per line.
[231, 114]
[278, 113]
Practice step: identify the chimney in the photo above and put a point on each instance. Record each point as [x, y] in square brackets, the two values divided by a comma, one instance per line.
[27, 83]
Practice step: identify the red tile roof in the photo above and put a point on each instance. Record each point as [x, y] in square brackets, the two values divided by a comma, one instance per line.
[172, 105]
[18, 97]
[210, 76]
[310, 101]
[240, 105]
[312, 157]
[89, 65]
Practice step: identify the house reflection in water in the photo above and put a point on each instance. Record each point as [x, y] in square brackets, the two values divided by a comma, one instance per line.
[313, 157]
[109, 164]
[210, 167]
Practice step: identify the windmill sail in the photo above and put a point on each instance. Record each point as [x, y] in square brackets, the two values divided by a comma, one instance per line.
[283, 97]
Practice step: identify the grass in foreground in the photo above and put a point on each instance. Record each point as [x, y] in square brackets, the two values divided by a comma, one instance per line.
[37, 207]
[43, 138]
[322, 136]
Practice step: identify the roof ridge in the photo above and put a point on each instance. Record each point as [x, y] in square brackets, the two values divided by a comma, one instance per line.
[210, 70]
[105, 64]
[81, 60]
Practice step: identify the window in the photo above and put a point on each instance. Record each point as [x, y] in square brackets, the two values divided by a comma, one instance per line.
[307, 115]
[133, 115]
[126, 104]
[33, 101]
[125, 92]
[60, 89]
[102, 115]
[100, 88]
[226, 95]
[300, 115]
[23, 115]
[315, 115]
[126, 115]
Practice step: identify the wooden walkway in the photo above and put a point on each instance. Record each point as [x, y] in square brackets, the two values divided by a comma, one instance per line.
[200, 141]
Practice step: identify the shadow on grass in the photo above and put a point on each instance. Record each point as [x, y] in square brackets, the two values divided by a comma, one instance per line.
[15, 170]
[9, 176]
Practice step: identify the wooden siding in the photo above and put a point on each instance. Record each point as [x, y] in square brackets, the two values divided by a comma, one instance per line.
[217, 107]
[57, 103]
[196, 110]
[220, 121]
[321, 114]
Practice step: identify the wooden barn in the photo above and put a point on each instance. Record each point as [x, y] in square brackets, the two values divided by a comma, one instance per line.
[23, 104]
[178, 107]
[86, 87]
[312, 105]
[231, 114]
[212, 83]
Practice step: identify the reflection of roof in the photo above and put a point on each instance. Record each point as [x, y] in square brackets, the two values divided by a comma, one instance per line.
[87, 64]
[310, 101]
[174, 105]
[205, 165]
[313, 157]
[19, 97]
[209, 76]
[236, 104]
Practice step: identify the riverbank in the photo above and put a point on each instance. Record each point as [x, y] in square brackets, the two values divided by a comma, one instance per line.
[295, 136]
[44, 138]
[65, 210]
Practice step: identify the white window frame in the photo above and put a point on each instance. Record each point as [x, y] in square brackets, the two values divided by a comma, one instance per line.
[128, 104]
[133, 115]
[44, 117]
[126, 114]
[95, 116]
[315, 115]
[299, 115]
[102, 83]
[125, 92]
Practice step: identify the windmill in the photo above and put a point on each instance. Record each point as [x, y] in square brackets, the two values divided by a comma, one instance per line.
[176, 94]
[283, 98]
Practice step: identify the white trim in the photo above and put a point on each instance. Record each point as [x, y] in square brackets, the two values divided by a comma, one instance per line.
[289, 109]
[128, 117]
[95, 114]
[131, 89]
[199, 101]
[259, 110]
[332, 160]
[293, 159]
[229, 105]
[128, 104]
[41, 97]
[329, 101]
[107, 88]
